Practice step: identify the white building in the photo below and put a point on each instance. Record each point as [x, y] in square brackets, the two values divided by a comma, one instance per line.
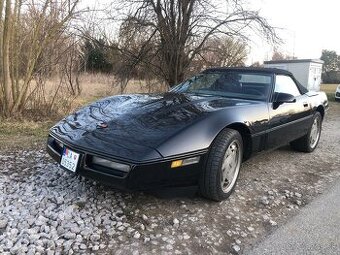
[306, 71]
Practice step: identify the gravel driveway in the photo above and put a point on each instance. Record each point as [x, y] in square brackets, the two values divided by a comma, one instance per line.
[44, 209]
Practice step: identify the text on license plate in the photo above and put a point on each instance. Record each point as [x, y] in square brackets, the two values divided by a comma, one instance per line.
[69, 159]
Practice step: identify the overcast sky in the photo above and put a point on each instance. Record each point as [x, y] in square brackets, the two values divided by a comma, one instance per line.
[308, 26]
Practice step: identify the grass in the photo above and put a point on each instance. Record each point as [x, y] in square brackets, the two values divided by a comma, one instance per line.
[329, 89]
[16, 134]
[96, 86]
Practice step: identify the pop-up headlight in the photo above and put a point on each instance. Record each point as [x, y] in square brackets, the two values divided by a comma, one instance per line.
[111, 164]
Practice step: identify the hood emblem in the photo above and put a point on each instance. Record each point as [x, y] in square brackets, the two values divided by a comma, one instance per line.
[101, 125]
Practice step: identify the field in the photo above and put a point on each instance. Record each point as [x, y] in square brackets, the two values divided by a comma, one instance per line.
[330, 90]
[26, 133]
[95, 86]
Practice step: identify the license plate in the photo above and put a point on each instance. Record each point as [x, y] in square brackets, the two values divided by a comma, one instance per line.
[69, 159]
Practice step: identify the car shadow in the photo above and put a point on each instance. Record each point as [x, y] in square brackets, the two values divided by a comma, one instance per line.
[173, 193]
[285, 148]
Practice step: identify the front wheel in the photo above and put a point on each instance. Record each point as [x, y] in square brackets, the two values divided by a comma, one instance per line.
[223, 166]
[309, 142]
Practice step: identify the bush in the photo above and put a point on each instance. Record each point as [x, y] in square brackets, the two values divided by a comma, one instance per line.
[331, 77]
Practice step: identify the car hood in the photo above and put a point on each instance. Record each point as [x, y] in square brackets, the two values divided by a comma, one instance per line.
[134, 126]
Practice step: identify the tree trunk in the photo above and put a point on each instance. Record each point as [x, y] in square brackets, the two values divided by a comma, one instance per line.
[1, 73]
[8, 101]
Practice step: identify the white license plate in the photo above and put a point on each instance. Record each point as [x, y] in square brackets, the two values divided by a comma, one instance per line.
[69, 159]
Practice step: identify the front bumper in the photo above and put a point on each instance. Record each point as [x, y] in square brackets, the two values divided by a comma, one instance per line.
[143, 176]
[337, 95]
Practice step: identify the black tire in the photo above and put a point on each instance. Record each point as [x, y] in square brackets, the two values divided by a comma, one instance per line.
[211, 179]
[304, 144]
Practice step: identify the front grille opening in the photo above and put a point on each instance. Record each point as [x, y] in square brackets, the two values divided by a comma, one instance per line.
[55, 145]
[58, 146]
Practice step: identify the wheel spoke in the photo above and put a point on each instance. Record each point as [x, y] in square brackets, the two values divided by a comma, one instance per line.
[226, 163]
[230, 166]
[314, 133]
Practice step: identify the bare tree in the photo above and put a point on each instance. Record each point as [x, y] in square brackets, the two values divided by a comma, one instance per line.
[29, 29]
[180, 29]
[221, 51]
[256, 64]
[279, 55]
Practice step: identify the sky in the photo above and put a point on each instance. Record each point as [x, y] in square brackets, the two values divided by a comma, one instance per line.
[305, 26]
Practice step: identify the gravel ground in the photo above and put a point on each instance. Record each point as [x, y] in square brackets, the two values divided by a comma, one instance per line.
[46, 210]
[315, 230]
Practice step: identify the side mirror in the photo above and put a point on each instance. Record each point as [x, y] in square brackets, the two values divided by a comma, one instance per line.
[281, 98]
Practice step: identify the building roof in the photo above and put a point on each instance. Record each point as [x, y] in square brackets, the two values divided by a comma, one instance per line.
[318, 61]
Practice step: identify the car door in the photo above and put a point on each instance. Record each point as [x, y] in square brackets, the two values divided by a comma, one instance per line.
[287, 121]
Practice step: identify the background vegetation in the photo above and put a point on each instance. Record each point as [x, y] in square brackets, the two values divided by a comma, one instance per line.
[47, 45]
[331, 68]
[56, 56]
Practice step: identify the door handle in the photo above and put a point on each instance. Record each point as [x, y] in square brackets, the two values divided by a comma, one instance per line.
[305, 104]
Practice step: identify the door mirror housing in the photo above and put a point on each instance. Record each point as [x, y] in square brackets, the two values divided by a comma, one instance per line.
[281, 98]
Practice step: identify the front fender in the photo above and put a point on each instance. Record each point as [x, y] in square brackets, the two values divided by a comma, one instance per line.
[199, 135]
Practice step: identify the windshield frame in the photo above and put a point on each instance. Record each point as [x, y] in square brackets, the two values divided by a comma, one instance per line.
[177, 88]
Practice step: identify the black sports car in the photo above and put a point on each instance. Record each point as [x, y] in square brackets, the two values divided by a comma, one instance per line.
[198, 133]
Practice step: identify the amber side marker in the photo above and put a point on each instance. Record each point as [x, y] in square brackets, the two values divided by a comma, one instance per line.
[185, 162]
[176, 163]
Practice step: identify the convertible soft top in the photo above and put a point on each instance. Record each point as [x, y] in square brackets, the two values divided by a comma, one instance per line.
[248, 69]
[302, 89]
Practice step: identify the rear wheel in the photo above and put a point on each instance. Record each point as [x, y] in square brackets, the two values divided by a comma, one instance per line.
[309, 142]
[223, 166]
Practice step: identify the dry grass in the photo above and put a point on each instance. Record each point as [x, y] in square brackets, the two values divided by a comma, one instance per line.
[329, 89]
[16, 134]
[95, 86]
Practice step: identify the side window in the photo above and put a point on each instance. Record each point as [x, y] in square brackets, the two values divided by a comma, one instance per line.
[285, 84]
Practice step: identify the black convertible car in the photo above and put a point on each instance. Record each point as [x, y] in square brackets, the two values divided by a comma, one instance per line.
[198, 133]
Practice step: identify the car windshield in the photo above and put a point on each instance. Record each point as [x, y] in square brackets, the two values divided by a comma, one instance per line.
[246, 85]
